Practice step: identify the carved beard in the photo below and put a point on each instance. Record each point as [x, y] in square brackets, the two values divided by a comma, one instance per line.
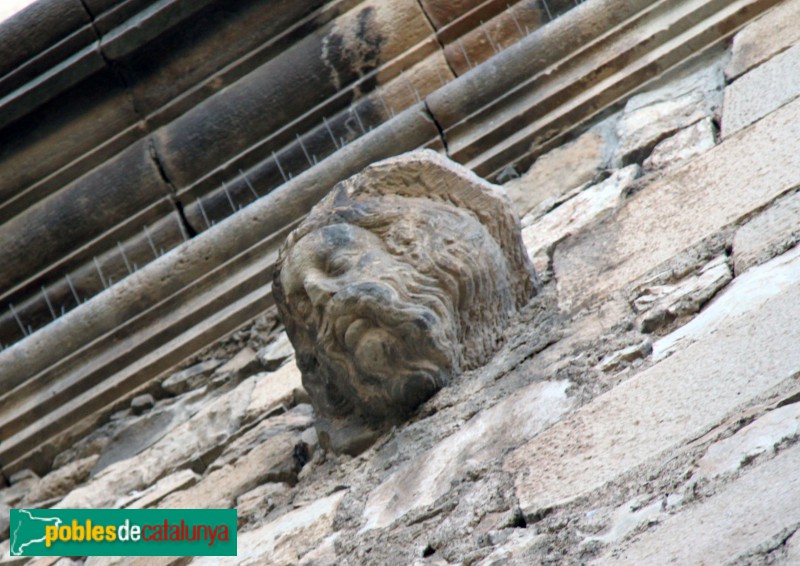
[389, 338]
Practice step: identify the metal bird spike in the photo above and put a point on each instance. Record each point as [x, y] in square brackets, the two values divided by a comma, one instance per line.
[516, 21]
[124, 258]
[330, 132]
[358, 119]
[464, 51]
[489, 37]
[100, 273]
[278, 163]
[203, 212]
[227, 194]
[547, 9]
[49, 304]
[150, 241]
[249, 184]
[72, 288]
[305, 151]
[16, 317]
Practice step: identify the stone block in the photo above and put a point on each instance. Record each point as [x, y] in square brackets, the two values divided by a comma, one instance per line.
[273, 355]
[761, 437]
[137, 434]
[657, 223]
[685, 396]
[151, 496]
[556, 173]
[273, 390]
[692, 95]
[746, 293]
[768, 234]
[578, 212]
[271, 461]
[285, 539]
[252, 435]
[659, 305]
[60, 482]
[481, 440]
[260, 501]
[761, 91]
[187, 443]
[686, 144]
[748, 514]
[5, 521]
[244, 362]
[770, 34]
[142, 403]
[190, 378]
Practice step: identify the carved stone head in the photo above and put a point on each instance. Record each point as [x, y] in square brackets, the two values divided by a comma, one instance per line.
[403, 276]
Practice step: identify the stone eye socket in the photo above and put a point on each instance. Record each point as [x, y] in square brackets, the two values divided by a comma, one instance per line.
[339, 264]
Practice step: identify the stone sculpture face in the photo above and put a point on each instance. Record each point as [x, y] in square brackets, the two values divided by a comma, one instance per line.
[389, 289]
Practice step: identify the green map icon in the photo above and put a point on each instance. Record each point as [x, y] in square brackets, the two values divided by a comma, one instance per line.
[28, 532]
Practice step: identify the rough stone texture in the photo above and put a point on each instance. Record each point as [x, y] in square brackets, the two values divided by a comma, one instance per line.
[730, 525]
[276, 353]
[162, 488]
[60, 482]
[260, 501]
[555, 173]
[626, 519]
[185, 444]
[761, 91]
[691, 96]
[659, 305]
[481, 441]
[746, 293]
[722, 185]
[686, 144]
[286, 539]
[576, 213]
[763, 436]
[275, 389]
[250, 437]
[685, 395]
[135, 435]
[244, 361]
[793, 550]
[770, 34]
[770, 233]
[617, 359]
[271, 461]
[142, 403]
[402, 277]
[191, 377]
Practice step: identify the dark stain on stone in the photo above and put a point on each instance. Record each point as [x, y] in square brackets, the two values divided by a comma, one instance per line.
[352, 60]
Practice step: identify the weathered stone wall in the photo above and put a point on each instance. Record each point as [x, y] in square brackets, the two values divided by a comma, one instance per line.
[642, 410]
